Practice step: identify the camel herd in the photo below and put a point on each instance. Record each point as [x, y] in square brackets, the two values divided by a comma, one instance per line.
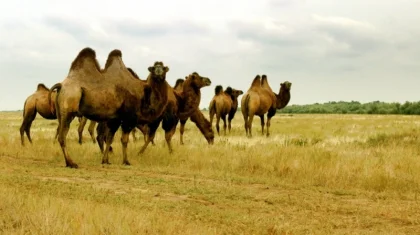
[115, 97]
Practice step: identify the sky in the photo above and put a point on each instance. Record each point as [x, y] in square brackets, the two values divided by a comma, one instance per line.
[330, 50]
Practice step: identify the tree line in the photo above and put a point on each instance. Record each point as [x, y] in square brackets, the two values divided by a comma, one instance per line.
[355, 107]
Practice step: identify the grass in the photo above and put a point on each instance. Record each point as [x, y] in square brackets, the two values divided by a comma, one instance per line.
[315, 174]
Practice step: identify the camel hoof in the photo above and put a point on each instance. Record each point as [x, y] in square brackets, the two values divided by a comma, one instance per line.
[106, 162]
[127, 163]
[72, 165]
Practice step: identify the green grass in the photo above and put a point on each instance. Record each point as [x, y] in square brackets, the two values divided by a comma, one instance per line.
[315, 174]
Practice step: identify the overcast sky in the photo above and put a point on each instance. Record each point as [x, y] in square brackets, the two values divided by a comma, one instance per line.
[331, 50]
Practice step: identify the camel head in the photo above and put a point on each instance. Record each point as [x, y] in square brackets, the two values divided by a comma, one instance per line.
[198, 81]
[158, 71]
[237, 93]
[285, 86]
[283, 97]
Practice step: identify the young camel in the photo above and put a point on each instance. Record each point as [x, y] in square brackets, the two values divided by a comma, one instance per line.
[224, 103]
[183, 102]
[38, 103]
[260, 99]
[111, 95]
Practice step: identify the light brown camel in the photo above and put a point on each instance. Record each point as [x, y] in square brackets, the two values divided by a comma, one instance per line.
[112, 95]
[224, 103]
[261, 99]
[183, 102]
[38, 103]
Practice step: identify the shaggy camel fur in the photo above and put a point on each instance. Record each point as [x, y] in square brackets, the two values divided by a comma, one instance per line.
[261, 99]
[183, 101]
[224, 103]
[38, 103]
[112, 95]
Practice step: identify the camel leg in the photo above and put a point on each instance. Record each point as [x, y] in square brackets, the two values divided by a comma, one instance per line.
[224, 123]
[101, 133]
[270, 114]
[203, 126]
[181, 131]
[65, 121]
[262, 124]
[113, 126]
[91, 131]
[230, 117]
[250, 119]
[26, 126]
[217, 123]
[124, 142]
[133, 133]
[245, 116]
[82, 124]
[169, 124]
[152, 127]
[56, 132]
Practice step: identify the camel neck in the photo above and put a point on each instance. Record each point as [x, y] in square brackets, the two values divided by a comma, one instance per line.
[283, 98]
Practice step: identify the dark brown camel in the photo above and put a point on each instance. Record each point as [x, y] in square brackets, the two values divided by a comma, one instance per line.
[111, 95]
[261, 99]
[189, 108]
[183, 103]
[224, 103]
[102, 130]
[38, 103]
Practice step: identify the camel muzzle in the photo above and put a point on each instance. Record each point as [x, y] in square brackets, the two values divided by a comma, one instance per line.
[207, 81]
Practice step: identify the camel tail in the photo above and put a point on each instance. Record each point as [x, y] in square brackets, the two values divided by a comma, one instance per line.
[212, 108]
[24, 108]
[58, 87]
[246, 104]
[218, 89]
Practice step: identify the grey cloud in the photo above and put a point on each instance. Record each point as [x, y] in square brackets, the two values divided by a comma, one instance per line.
[360, 37]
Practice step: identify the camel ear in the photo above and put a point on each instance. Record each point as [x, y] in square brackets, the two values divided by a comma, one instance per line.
[166, 68]
[150, 69]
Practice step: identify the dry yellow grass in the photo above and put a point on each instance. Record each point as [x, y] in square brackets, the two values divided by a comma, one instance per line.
[316, 174]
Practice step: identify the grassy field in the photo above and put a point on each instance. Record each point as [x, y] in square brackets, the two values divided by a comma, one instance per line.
[316, 174]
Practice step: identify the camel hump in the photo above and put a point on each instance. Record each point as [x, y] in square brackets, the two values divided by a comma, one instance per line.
[42, 87]
[256, 82]
[114, 54]
[133, 73]
[229, 90]
[179, 83]
[264, 82]
[86, 53]
[218, 89]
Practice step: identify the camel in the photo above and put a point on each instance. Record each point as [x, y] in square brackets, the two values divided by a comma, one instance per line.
[260, 99]
[189, 102]
[224, 103]
[38, 103]
[183, 103]
[102, 130]
[112, 95]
